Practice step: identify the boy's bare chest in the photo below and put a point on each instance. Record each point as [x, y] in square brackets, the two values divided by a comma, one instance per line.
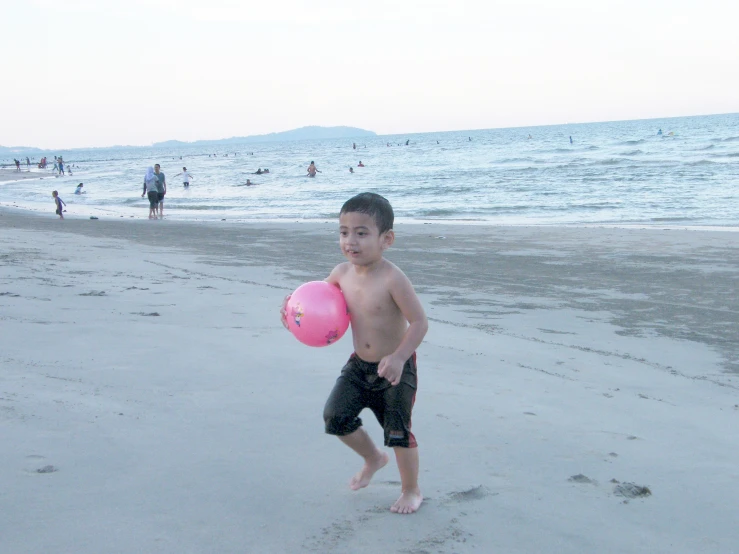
[368, 300]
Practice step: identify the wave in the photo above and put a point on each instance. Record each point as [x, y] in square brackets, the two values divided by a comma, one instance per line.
[730, 139]
[513, 160]
[632, 153]
[631, 142]
[595, 206]
[202, 207]
[709, 147]
[436, 212]
[701, 162]
[558, 151]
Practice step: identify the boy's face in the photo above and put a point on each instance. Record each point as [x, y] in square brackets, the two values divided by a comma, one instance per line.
[360, 240]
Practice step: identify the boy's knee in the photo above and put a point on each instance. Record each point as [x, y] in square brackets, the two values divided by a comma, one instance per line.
[338, 424]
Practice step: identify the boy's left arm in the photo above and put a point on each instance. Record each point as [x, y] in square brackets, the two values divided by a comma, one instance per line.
[401, 290]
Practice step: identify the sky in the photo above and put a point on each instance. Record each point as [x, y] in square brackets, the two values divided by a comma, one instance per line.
[86, 73]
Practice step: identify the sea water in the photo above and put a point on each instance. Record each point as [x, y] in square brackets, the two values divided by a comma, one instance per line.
[619, 173]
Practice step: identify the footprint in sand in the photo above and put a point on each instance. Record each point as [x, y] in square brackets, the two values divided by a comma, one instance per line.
[580, 478]
[37, 464]
[631, 490]
[475, 493]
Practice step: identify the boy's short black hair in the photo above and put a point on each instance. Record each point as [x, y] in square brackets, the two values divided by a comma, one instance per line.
[375, 206]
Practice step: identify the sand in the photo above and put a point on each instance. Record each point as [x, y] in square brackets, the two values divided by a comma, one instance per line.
[150, 400]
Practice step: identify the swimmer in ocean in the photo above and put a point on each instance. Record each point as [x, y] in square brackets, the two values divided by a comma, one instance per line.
[312, 169]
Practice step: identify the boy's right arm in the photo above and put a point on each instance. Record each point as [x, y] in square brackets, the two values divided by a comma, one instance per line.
[335, 276]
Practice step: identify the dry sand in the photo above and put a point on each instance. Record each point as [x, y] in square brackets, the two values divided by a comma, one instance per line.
[150, 400]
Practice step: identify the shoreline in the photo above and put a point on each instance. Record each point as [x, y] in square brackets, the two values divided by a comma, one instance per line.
[179, 217]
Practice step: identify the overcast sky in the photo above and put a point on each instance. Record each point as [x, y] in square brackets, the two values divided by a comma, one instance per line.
[102, 72]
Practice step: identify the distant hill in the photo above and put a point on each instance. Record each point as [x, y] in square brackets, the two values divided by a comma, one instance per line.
[22, 150]
[304, 133]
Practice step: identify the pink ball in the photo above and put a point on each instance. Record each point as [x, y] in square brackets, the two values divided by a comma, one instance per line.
[317, 314]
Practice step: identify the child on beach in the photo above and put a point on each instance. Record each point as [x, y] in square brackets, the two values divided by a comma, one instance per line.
[388, 324]
[58, 202]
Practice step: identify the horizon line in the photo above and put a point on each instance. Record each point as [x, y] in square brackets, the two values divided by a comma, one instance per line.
[368, 130]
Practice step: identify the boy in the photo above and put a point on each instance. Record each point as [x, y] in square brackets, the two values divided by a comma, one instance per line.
[58, 202]
[388, 324]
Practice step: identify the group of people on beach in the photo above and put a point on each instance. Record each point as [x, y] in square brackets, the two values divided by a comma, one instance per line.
[155, 188]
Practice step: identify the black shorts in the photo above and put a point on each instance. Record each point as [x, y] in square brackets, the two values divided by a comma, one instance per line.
[58, 211]
[186, 184]
[160, 196]
[153, 198]
[360, 387]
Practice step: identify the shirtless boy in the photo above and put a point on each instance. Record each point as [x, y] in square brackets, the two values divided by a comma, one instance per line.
[388, 324]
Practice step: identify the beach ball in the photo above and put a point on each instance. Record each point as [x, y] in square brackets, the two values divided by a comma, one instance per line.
[317, 314]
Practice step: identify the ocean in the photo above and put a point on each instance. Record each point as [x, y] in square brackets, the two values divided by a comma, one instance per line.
[615, 173]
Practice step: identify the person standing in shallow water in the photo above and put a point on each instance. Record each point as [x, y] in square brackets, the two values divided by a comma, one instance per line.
[161, 188]
[151, 189]
[186, 177]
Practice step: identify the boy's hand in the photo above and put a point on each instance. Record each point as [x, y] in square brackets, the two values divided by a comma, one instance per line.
[391, 368]
[283, 311]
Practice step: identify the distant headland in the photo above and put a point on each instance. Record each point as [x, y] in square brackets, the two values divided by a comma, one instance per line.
[303, 133]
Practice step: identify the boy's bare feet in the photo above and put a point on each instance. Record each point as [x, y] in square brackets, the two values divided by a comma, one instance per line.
[363, 478]
[408, 502]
